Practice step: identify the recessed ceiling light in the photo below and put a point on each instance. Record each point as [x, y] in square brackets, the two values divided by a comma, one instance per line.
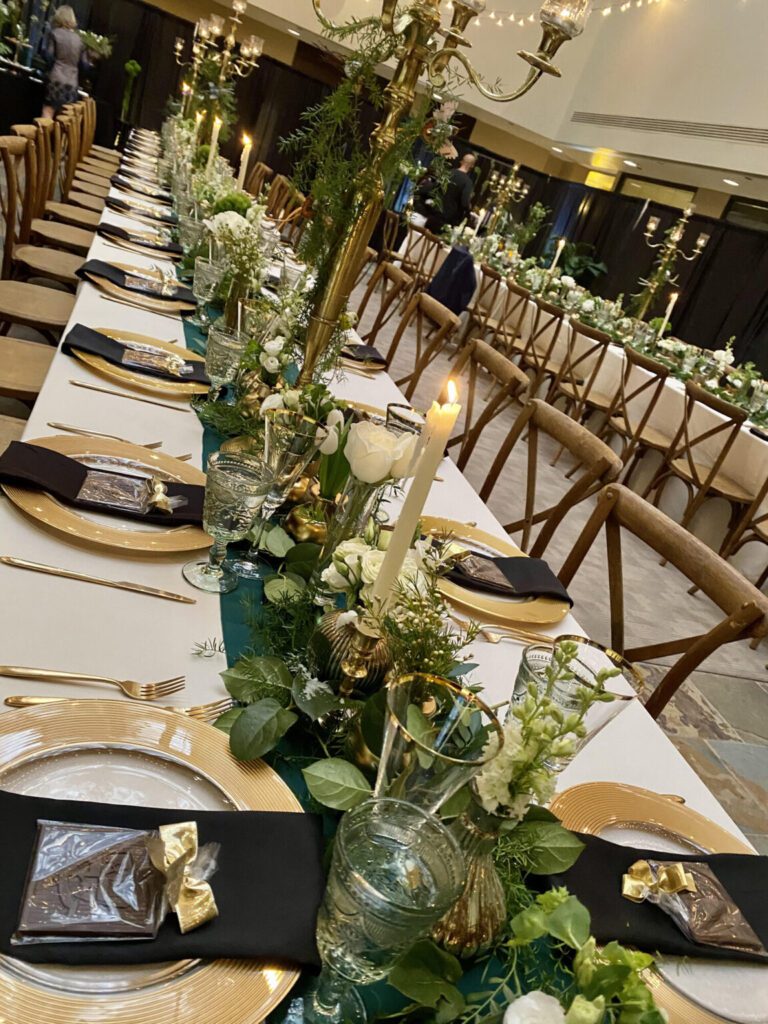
[293, 32]
[556, 150]
[730, 181]
[630, 163]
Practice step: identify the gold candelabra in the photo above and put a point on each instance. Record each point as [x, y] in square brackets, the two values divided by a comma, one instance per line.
[215, 41]
[669, 250]
[504, 190]
[426, 47]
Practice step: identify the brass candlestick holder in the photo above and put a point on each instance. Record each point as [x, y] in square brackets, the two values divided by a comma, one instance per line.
[425, 48]
[504, 190]
[663, 272]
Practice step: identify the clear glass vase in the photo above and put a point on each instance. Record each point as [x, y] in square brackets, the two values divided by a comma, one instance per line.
[476, 919]
[354, 506]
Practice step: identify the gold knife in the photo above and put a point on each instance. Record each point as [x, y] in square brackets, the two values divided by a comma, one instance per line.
[134, 398]
[69, 574]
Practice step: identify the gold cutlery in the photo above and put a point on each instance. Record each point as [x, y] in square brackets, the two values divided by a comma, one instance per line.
[95, 433]
[138, 305]
[201, 712]
[70, 574]
[136, 691]
[360, 372]
[182, 458]
[122, 394]
[496, 634]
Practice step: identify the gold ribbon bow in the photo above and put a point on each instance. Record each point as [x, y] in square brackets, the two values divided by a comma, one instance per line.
[642, 881]
[158, 496]
[174, 854]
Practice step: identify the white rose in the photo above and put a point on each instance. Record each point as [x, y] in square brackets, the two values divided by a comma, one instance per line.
[713, 382]
[534, 1008]
[274, 347]
[271, 402]
[588, 306]
[334, 423]
[568, 281]
[333, 579]
[227, 221]
[270, 363]
[291, 398]
[371, 564]
[404, 465]
[371, 451]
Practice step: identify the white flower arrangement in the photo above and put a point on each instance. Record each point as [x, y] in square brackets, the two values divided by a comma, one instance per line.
[376, 454]
[539, 1008]
[356, 564]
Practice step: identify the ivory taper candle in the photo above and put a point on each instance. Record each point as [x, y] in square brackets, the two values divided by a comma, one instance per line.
[245, 156]
[668, 312]
[214, 142]
[199, 118]
[441, 420]
[558, 253]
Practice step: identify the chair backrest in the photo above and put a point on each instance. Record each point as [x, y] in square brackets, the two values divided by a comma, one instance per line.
[89, 114]
[17, 193]
[509, 382]
[433, 324]
[422, 250]
[704, 449]
[548, 323]
[585, 354]
[388, 282]
[509, 323]
[389, 233]
[258, 177]
[641, 386]
[745, 608]
[70, 144]
[484, 304]
[278, 195]
[598, 463]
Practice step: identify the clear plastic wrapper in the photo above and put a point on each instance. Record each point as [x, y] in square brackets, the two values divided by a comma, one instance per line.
[137, 494]
[91, 883]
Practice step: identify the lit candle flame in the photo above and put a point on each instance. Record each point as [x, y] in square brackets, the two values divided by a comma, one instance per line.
[453, 392]
[246, 139]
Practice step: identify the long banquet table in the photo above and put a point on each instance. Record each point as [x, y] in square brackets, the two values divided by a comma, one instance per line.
[57, 623]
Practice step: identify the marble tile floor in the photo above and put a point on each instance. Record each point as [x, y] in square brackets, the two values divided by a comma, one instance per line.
[719, 717]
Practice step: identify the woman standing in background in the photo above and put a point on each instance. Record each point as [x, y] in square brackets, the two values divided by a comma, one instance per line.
[65, 52]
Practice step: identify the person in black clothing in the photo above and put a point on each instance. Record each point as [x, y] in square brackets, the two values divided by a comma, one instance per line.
[454, 206]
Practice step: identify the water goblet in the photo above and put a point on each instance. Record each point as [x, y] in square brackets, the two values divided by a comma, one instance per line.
[222, 355]
[207, 277]
[291, 441]
[191, 231]
[435, 740]
[395, 871]
[235, 489]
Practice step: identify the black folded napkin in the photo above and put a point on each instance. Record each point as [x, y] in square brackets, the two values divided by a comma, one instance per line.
[117, 276]
[268, 885]
[127, 179]
[87, 340]
[759, 433]
[107, 230]
[121, 206]
[509, 576]
[29, 465]
[363, 354]
[596, 879]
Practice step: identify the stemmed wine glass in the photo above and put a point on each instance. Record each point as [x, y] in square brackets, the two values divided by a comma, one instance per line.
[207, 278]
[395, 871]
[191, 232]
[235, 489]
[291, 440]
[222, 355]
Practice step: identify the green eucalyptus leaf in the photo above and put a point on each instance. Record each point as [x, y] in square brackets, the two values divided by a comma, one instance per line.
[529, 924]
[228, 719]
[372, 721]
[314, 698]
[283, 588]
[426, 974]
[455, 804]
[336, 783]
[277, 542]
[422, 730]
[249, 678]
[259, 728]
[302, 559]
[550, 848]
[607, 981]
[570, 923]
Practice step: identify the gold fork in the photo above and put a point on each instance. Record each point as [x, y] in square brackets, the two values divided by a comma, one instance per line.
[136, 691]
[200, 712]
[499, 633]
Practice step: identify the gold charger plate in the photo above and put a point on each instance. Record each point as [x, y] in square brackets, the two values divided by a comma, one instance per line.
[115, 752]
[152, 241]
[123, 536]
[163, 304]
[367, 365]
[143, 381]
[138, 188]
[595, 806]
[541, 610]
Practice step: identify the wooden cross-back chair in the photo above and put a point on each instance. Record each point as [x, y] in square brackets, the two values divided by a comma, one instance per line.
[745, 608]
[45, 309]
[387, 283]
[642, 383]
[81, 193]
[258, 178]
[537, 353]
[278, 196]
[507, 327]
[698, 452]
[751, 528]
[105, 153]
[481, 309]
[389, 232]
[579, 372]
[485, 365]
[433, 324]
[295, 217]
[88, 161]
[419, 260]
[597, 463]
[43, 134]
